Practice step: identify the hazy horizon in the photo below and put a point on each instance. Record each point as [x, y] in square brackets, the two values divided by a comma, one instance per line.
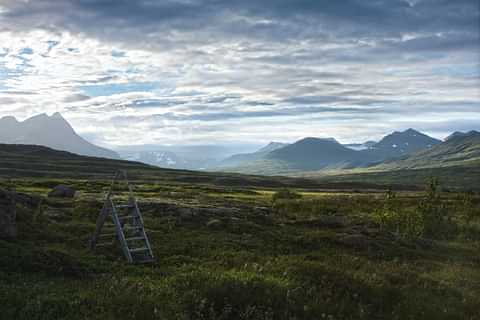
[196, 72]
[223, 148]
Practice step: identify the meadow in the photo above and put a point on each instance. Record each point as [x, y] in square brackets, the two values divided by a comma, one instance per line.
[238, 252]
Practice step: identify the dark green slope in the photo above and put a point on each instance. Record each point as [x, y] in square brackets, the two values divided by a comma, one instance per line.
[459, 149]
[456, 162]
[315, 154]
[29, 161]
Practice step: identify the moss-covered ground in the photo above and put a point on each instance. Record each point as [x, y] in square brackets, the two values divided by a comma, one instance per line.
[231, 253]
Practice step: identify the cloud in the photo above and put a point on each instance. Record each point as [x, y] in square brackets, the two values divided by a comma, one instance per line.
[181, 71]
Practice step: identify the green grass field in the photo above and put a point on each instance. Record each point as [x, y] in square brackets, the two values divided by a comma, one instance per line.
[231, 253]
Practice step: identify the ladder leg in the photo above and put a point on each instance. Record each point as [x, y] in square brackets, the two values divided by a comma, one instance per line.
[100, 222]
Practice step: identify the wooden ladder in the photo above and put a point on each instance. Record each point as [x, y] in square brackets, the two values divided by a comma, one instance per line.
[127, 225]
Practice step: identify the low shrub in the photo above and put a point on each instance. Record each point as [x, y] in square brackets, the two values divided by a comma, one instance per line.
[431, 217]
[286, 194]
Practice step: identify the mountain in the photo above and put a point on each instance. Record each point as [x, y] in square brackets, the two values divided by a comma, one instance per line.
[239, 159]
[461, 134]
[51, 131]
[458, 149]
[272, 146]
[315, 154]
[164, 159]
[399, 144]
[360, 146]
[29, 161]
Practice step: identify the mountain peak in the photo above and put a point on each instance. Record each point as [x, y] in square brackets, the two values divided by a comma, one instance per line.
[40, 116]
[273, 145]
[462, 134]
[412, 131]
[9, 119]
[406, 142]
[50, 131]
[317, 140]
[57, 115]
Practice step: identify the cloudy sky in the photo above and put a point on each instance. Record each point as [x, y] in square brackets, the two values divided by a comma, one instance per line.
[127, 72]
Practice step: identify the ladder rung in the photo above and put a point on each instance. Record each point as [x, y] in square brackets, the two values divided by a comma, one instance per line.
[106, 235]
[139, 250]
[148, 260]
[125, 206]
[135, 239]
[126, 217]
[133, 228]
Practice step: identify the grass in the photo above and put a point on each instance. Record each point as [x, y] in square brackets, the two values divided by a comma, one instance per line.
[316, 251]
[265, 260]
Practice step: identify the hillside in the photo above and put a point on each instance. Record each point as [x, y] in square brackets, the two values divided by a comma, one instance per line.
[458, 149]
[456, 162]
[17, 161]
[315, 154]
[50, 131]
[245, 158]
[398, 144]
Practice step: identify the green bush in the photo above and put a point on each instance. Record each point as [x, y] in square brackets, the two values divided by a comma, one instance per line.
[430, 218]
[467, 209]
[286, 194]
[405, 223]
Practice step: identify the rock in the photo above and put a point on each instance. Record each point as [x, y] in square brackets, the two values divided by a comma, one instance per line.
[214, 223]
[62, 191]
[8, 214]
[355, 240]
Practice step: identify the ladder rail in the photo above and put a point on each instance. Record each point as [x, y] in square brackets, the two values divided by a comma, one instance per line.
[121, 235]
[103, 214]
[123, 223]
[144, 234]
[100, 222]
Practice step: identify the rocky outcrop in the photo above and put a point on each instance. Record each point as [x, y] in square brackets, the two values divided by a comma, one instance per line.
[8, 214]
[62, 191]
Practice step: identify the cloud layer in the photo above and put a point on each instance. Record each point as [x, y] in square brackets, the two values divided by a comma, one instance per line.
[199, 71]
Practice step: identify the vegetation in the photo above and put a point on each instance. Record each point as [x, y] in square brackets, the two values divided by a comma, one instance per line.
[306, 255]
[431, 218]
[285, 194]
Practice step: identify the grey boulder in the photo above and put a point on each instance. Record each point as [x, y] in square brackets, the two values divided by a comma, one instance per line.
[62, 191]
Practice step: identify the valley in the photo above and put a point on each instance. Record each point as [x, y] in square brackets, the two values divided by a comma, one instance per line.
[227, 245]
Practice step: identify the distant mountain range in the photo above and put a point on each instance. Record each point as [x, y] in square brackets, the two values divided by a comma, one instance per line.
[409, 149]
[313, 154]
[191, 157]
[163, 159]
[51, 131]
[239, 159]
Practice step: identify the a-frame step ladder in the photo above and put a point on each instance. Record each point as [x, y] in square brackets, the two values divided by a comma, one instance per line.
[127, 225]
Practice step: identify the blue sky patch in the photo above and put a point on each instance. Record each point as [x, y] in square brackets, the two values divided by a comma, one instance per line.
[26, 51]
[118, 54]
[118, 88]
